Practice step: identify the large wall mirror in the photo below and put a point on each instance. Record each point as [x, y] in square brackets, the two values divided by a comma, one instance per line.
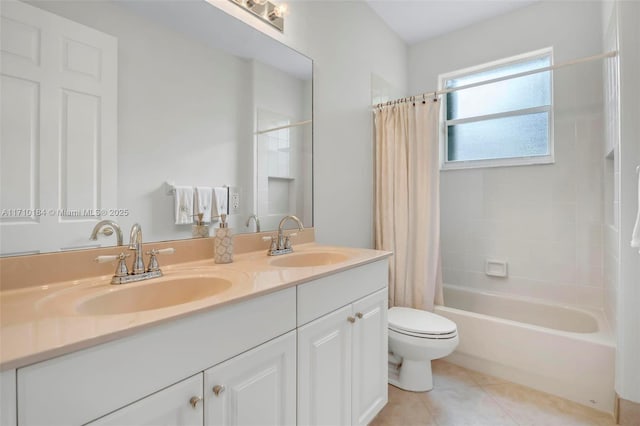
[108, 106]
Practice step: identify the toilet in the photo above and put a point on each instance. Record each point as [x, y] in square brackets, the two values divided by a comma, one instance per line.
[415, 338]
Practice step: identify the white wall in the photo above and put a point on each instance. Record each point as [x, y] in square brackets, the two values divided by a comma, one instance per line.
[545, 220]
[348, 42]
[628, 354]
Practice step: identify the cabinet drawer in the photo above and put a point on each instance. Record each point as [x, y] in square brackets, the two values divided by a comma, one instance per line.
[327, 294]
[82, 386]
[174, 405]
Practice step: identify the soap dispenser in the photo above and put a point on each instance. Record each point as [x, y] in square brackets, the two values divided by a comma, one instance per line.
[200, 229]
[223, 242]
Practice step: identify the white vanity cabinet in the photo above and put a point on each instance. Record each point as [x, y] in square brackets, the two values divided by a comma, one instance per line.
[83, 386]
[257, 387]
[342, 355]
[179, 404]
[311, 354]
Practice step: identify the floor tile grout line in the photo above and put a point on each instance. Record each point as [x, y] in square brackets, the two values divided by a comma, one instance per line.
[547, 395]
[500, 406]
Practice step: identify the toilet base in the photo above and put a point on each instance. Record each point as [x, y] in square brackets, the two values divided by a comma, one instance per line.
[414, 376]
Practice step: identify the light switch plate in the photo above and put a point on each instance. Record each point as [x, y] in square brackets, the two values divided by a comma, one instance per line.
[234, 200]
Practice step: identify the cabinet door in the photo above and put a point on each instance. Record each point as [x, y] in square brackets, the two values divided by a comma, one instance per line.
[324, 370]
[369, 379]
[178, 405]
[8, 398]
[254, 388]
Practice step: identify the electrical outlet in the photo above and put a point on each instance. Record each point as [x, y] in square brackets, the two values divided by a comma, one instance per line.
[234, 200]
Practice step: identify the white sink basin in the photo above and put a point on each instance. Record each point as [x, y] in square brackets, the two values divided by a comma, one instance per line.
[153, 295]
[303, 260]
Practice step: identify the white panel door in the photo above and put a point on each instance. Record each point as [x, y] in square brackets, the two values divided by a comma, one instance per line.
[58, 146]
[369, 380]
[178, 405]
[324, 370]
[254, 388]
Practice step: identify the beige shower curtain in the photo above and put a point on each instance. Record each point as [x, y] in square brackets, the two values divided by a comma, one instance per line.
[408, 201]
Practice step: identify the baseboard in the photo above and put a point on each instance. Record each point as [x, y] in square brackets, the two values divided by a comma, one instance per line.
[627, 413]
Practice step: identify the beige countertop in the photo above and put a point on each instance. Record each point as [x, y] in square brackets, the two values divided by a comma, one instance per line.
[38, 323]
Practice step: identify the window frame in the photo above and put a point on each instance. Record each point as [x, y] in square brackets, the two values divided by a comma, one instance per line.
[496, 162]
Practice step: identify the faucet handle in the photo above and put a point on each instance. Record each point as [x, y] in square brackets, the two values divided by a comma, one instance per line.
[121, 269]
[153, 261]
[287, 240]
[110, 258]
[154, 252]
[274, 242]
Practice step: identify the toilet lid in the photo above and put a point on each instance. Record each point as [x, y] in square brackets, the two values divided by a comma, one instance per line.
[419, 322]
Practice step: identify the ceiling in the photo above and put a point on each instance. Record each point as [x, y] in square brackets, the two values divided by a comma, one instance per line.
[418, 20]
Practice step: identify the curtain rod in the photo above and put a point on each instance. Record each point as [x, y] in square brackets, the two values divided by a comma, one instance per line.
[436, 93]
[299, 123]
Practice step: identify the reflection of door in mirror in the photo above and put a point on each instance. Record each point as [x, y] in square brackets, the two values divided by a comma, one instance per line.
[283, 146]
[59, 130]
[281, 169]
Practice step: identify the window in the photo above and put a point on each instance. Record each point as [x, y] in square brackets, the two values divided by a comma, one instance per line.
[504, 123]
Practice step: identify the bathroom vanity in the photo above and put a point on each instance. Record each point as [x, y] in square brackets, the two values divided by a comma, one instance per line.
[295, 339]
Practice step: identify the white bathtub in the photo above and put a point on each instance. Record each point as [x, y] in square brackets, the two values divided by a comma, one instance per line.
[565, 351]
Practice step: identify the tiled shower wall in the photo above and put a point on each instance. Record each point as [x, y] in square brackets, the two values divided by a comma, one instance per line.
[546, 221]
[611, 153]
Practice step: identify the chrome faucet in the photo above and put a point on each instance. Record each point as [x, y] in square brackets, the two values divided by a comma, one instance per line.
[135, 243]
[138, 271]
[107, 227]
[282, 245]
[254, 217]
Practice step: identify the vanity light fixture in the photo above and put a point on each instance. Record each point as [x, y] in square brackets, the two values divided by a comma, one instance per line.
[265, 10]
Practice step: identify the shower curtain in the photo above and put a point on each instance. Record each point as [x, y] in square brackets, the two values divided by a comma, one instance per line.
[407, 206]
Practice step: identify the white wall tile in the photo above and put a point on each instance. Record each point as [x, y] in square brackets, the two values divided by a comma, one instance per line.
[546, 220]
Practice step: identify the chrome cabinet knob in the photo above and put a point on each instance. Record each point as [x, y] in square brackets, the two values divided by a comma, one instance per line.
[194, 401]
[218, 389]
[351, 319]
[359, 315]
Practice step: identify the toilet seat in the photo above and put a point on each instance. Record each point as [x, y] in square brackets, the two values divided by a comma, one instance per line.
[422, 324]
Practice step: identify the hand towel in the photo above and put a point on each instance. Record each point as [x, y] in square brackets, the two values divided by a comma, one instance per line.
[183, 204]
[635, 237]
[220, 199]
[203, 202]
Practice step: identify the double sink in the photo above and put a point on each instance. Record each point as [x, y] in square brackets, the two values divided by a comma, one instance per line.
[180, 286]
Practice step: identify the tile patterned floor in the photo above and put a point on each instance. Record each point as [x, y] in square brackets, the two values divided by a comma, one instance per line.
[463, 397]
